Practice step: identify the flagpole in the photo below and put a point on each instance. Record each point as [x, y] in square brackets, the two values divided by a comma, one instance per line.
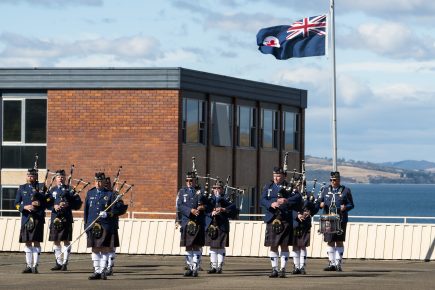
[334, 90]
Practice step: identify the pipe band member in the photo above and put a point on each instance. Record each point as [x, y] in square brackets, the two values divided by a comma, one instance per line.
[192, 205]
[64, 201]
[336, 197]
[218, 226]
[302, 231]
[31, 202]
[279, 202]
[100, 224]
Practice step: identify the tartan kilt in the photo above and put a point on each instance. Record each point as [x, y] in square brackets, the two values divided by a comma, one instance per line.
[336, 237]
[301, 236]
[187, 240]
[222, 239]
[65, 234]
[107, 239]
[273, 239]
[35, 235]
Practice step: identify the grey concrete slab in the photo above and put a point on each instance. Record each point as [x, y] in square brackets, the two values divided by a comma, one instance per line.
[165, 272]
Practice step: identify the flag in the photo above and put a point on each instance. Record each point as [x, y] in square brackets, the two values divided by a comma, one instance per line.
[305, 37]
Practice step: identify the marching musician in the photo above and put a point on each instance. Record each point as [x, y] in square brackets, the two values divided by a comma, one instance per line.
[31, 201]
[218, 227]
[100, 224]
[279, 201]
[64, 201]
[302, 229]
[336, 197]
[192, 205]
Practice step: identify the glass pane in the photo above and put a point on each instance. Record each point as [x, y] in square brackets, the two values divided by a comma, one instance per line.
[22, 156]
[12, 121]
[36, 121]
[221, 124]
[289, 127]
[8, 200]
[192, 121]
[244, 126]
[267, 128]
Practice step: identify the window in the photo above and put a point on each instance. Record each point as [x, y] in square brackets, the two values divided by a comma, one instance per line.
[222, 124]
[269, 129]
[194, 121]
[291, 127]
[24, 131]
[7, 201]
[246, 126]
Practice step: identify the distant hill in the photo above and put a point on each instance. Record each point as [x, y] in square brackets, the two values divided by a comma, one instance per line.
[407, 171]
[412, 164]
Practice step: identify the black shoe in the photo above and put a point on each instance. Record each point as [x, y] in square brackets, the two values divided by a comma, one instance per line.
[35, 270]
[95, 276]
[302, 270]
[273, 274]
[296, 271]
[338, 268]
[212, 271]
[195, 273]
[330, 268]
[64, 267]
[57, 267]
[219, 270]
[188, 273]
[109, 272]
[282, 273]
[27, 270]
[103, 275]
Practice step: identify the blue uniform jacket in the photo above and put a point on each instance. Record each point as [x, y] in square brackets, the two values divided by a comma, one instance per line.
[97, 201]
[222, 219]
[27, 193]
[342, 196]
[60, 194]
[270, 195]
[187, 199]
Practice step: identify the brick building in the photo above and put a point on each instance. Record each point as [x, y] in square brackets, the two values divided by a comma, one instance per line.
[152, 121]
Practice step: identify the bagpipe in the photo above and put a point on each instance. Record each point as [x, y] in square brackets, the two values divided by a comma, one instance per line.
[231, 194]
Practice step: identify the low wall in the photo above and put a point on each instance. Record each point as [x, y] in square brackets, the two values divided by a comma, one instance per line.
[159, 237]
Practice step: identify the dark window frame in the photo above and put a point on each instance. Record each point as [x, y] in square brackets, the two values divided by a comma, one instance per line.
[295, 131]
[252, 130]
[201, 121]
[274, 129]
[12, 201]
[15, 154]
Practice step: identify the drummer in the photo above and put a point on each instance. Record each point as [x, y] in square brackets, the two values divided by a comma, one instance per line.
[336, 199]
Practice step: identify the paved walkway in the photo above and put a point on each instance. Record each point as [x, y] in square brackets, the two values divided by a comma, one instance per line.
[165, 272]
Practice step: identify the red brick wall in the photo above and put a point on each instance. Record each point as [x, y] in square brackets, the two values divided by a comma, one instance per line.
[103, 129]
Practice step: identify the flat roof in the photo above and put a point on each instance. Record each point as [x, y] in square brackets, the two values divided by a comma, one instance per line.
[19, 79]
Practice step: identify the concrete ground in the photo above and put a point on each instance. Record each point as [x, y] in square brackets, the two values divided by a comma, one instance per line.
[165, 272]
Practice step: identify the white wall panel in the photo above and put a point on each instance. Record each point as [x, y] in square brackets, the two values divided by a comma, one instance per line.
[160, 237]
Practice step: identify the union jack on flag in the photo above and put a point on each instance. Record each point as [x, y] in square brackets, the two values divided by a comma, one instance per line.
[305, 26]
[305, 37]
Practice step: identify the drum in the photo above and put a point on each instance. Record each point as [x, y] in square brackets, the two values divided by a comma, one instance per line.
[330, 224]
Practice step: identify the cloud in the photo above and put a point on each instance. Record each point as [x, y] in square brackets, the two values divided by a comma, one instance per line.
[318, 81]
[55, 3]
[390, 39]
[405, 94]
[48, 52]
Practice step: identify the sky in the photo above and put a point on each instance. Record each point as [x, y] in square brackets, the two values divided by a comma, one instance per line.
[385, 58]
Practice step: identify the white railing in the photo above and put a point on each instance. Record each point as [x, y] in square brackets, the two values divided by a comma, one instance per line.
[142, 214]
